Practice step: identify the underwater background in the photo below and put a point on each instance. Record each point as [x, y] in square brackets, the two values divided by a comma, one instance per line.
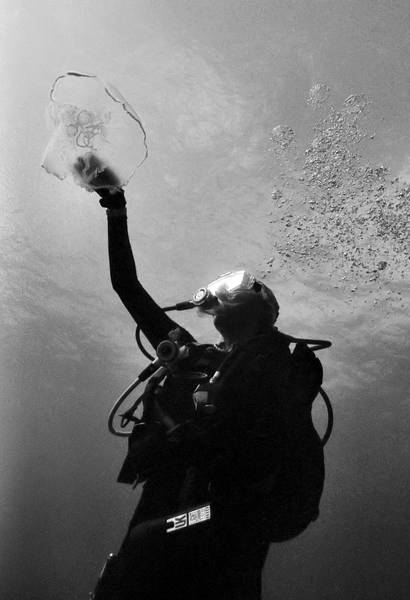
[278, 135]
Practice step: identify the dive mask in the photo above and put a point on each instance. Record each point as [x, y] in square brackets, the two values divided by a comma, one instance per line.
[228, 283]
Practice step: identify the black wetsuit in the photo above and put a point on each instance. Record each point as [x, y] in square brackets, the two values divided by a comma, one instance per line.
[224, 458]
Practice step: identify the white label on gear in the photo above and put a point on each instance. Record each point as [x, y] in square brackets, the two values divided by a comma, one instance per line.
[197, 515]
[178, 522]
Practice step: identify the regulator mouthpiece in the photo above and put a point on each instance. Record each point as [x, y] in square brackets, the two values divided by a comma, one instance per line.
[201, 296]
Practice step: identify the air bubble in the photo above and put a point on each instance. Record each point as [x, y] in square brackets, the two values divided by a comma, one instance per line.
[319, 95]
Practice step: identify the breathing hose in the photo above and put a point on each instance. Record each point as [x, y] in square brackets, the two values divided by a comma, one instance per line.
[116, 407]
[168, 355]
[315, 346]
[329, 409]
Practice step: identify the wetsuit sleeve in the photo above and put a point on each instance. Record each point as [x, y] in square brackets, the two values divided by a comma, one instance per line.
[154, 322]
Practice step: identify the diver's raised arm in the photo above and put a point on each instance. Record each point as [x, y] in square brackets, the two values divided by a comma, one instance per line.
[154, 322]
[123, 271]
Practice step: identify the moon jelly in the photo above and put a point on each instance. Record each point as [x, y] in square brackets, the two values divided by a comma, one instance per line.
[97, 137]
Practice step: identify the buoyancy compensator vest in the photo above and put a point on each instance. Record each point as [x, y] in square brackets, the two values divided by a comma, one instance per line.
[293, 498]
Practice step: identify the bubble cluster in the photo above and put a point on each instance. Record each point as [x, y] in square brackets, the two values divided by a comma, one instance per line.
[282, 137]
[318, 95]
[330, 212]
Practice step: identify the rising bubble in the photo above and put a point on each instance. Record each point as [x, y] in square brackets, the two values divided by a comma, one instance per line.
[332, 212]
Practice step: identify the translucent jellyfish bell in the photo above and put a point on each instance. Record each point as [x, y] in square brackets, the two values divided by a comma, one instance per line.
[97, 137]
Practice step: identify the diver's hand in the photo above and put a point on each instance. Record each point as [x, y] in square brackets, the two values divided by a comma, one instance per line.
[112, 199]
[92, 172]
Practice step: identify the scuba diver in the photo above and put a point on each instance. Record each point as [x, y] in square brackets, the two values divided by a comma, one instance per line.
[212, 442]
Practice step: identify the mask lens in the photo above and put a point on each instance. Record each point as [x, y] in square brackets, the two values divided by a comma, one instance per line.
[232, 282]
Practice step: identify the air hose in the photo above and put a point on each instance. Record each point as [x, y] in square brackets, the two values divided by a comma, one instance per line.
[116, 407]
[168, 354]
[314, 344]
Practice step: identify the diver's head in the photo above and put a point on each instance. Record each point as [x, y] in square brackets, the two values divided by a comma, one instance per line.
[241, 305]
